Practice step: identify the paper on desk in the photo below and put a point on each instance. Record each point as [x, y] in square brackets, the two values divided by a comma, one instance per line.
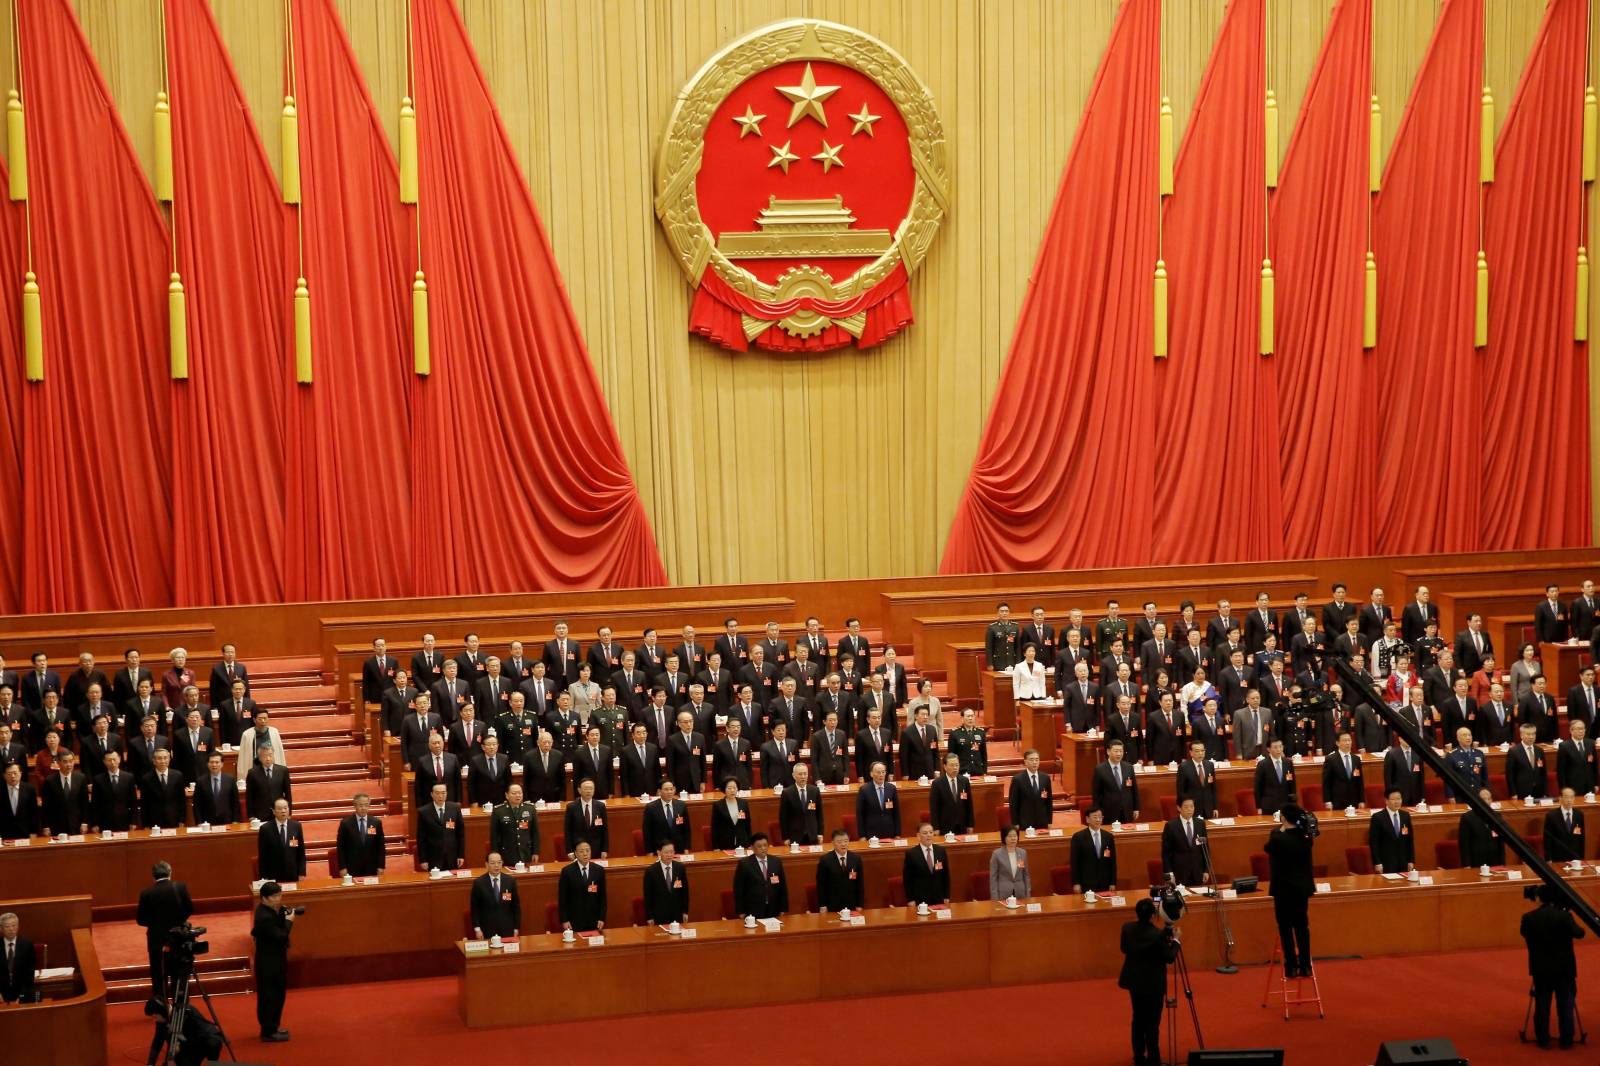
[1323, 888]
[55, 972]
[1392, 877]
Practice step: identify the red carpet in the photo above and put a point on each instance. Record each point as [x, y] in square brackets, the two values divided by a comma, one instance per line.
[1476, 999]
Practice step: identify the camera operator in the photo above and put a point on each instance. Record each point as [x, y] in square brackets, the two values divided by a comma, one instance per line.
[1550, 930]
[1147, 947]
[163, 907]
[1289, 852]
[272, 927]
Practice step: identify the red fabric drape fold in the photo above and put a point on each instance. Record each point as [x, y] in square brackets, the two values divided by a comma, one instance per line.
[227, 418]
[97, 519]
[1534, 423]
[11, 401]
[717, 314]
[1319, 227]
[347, 450]
[1425, 426]
[1063, 476]
[1217, 430]
[515, 427]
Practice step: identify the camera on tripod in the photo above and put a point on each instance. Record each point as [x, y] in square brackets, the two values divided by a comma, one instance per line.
[184, 943]
[1169, 901]
[1306, 822]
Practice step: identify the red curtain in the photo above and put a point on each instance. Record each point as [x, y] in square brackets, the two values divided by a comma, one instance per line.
[1064, 474]
[227, 418]
[98, 519]
[1217, 428]
[1534, 424]
[516, 429]
[1319, 230]
[11, 402]
[347, 450]
[1425, 426]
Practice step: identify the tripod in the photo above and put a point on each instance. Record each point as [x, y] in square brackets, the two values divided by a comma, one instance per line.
[171, 1033]
[1180, 980]
[1524, 1034]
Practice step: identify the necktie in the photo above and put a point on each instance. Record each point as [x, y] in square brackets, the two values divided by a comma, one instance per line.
[1116, 773]
[361, 826]
[494, 883]
[216, 786]
[927, 857]
[1347, 766]
[1569, 821]
[1278, 768]
[438, 768]
[1033, 780]
[583, 871]
[763, 870]
[1396, 817]
[587, 816]
[283, 832]
[880, 797]
[1094, 834]
[1188, 829]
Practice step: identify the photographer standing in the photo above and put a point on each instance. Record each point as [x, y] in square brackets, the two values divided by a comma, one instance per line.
[1147, 948]
[1289, 852]
[272, 926]
[1550, 930]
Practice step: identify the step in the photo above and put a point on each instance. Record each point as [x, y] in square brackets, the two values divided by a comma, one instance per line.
[310, 725]
[220, 975]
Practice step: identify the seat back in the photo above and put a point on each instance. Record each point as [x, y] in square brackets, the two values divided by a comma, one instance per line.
[638, 910]
[561, 841]
[705, 837]
[1155, 871]
[1261, 866]
[894, 892]
[1244, 801]
[1448, 854]
[978, 885]
[1497, 786]
[1311, 797]
[811, 898]
[333, 862]
[1002, 815]
[1169, 808]
[552, 917]
[850, 826]
[1374, 794]
[1433, 790]
[727, 904]
[1061, 880]
[775, 832]
[638, 842]
[1083, 802]
[1358, 857]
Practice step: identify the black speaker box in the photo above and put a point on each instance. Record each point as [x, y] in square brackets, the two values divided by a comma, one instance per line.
[1431, 1051]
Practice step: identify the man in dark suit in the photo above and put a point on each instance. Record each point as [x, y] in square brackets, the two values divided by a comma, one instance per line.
[919, 748]
[791, 710]
[91, 708]
[779, 758]
[281, 846]
[492, 694]
[926, 870]
[19, 807]
[1414, 619]
[873, 744]
[1336, 612]
[855, 646]
[1197, 780]
[686, 756]
[125, 682]
[1402, 771]
[452, 692]
[377, 672]
[271, 929]
[760, 889]
[441, 833]
[1583, 611]
[1113, 789]
[98, 741]
[1040, 634]
[835, 697]
[800, 809]
[666, 887]
[1261, 621]
[75, 688]
[829, 752]
[1123, 725]
[1159, 652]
[1030, 797]
[1496, 718]
[12, 750]
[841, 879]
[360, 843]
[592, 762]
[605, 654]
[675, 680]
[760, 675]
[1093, 855]
[1072, 652]
[36, 682]
[581, 893]
[805, 671]
[1480, 842]
[585, 820]
[544, 771]
[878, 805]
[416, 730]
[438, 767]
[225, 673]
[1165, 729]
[465, 738]
[1289, 856]
[1389, 838]
[692, 653]
[495, 908]
[731, 756]
[471, 662]
[816, 642]
[66, 802]
[1525, 769]
[514, 829]
[641, 764]
[161, 795]
[18, 962]
[1551, 623]
[115, 802]
[1473, 645]
[666, 820]
[1563, 831]
[163, 906]
[1549, 932]
[1373, 616]
[1583, 699]
[1537, 708]
[950, 800]
[1080, 700]
[143, 747]
[145, 704]
[1210, 731]
[216, 794]
[1181, 842]
[1275, 780]
[734, 649]
[1343, 784]
[427, 665]
[1575, 760]
[264, 785]
[191, 744]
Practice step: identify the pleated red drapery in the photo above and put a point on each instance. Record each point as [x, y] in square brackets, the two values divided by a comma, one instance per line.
[97, 521]
[1534, 424]
[347, 450]
[1064, 472]
[1319, 227]
[1430, 394]
[515, 427]
[227, 417]
[1217, 428]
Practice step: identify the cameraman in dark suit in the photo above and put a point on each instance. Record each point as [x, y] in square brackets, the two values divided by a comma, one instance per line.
[1147, 947]
[1549, 931]
[273, 924]
[1289, 853]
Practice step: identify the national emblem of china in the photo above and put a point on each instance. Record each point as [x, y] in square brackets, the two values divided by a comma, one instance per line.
[800, 183]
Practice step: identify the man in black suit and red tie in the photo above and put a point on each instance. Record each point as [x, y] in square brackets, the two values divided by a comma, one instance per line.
[427, 665]
[1473, 645]
[1551, 623]
[926, 870]
[495, 908]
[225, 673]
[441, 833]
[562, 656]
[377, 672]
[760, 888]
[360, 844]
[666, 887]
[841, 880]
[950, 799]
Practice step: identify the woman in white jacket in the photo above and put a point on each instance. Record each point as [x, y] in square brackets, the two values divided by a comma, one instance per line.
[1027, 677]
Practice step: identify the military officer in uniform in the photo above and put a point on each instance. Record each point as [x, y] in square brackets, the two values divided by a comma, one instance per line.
[1469, 762]
[514, 829]
[1111, 627]
[970, 744]
[612, 718]
[1000, 640]
[518, 728]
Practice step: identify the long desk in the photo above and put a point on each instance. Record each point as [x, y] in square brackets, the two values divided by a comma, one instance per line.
[214, 865]
[62, 1032]
[641, 970]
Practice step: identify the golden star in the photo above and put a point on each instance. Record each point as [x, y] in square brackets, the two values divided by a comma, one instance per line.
[863, 120]
[749, 122]
[808, 97]
[782, 157]
[829, 156]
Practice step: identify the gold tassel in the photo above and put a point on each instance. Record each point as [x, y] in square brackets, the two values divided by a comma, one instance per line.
[178, 325]
[32, 327]
[1266, 307]
[408, 153]
[163, 124]
[17, 146]
[289, 129]
[1369, 305]
[1580, 310]
[1272, 139]
[1591, 129]
[1486, 137]
[302, 332]
[1480, 318]
[1374, 146]
[421, 355]
[1166, 146]
[1161, 309]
